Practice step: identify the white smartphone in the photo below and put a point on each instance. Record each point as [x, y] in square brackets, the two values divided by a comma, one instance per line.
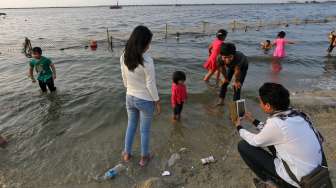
[240, 104]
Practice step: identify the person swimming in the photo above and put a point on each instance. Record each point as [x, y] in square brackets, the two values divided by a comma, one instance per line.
[266, 45]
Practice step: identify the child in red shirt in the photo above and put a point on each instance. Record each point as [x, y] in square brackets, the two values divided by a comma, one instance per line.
[179, 94]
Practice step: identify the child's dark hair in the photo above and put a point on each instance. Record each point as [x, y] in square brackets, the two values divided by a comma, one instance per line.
[276, 95]
[282, 34]
[268, 41]
[179, 76]
[37, 50]
[221, 34]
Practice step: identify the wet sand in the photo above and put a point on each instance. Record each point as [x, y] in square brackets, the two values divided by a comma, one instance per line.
[204, 131]
[230, 171]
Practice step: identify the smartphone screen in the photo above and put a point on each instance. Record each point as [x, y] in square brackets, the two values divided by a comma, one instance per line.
[241, 108]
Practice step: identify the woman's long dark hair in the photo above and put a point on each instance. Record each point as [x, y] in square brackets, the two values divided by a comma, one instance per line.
[136, 45]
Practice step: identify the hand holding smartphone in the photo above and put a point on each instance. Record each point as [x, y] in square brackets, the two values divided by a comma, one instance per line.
[241, 108]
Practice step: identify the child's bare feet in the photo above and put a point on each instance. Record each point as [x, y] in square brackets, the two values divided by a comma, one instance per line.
[176, 118]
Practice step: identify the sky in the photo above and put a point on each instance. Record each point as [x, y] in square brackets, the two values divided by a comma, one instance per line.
[52, 3]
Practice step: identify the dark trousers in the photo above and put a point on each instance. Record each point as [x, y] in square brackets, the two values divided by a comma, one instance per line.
[261, 163]
[236, 92]
[178, 109]
[49, 83]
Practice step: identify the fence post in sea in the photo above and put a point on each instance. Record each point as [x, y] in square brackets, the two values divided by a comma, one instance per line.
[204, 26]
[166, 35]
[259, 24]
[177, 36]
[108, 38]
[234, 26]
[111, 43]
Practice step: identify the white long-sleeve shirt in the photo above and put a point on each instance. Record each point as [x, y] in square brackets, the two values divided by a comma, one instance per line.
[295, 143]
[141, 82]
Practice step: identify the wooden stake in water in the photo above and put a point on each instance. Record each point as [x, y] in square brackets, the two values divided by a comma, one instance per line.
[234, 26]
[109, 40]
[166, 36]
[111, 43]
[204, 27]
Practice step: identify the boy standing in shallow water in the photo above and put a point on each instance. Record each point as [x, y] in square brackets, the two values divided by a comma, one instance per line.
[45, 70]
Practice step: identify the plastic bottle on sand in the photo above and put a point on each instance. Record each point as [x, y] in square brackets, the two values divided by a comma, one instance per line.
[112, 173]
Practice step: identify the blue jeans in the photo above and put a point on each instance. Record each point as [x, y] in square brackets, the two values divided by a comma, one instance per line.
[138, 111]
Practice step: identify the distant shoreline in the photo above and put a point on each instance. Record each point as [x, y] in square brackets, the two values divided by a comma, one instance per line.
[175, 5]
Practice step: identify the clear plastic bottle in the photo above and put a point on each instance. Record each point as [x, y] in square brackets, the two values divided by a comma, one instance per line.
[112, 173]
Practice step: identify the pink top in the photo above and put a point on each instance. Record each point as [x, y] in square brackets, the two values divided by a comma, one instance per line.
[280, 50]
[210, 64]
[179, 94]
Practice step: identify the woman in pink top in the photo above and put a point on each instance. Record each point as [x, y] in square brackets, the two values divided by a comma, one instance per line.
[280, 45]
[214, 50]
[179, 94]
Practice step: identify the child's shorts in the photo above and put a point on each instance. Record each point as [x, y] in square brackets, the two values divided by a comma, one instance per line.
[178, 109]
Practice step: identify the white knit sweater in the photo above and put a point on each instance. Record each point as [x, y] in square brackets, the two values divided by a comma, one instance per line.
[141, 82]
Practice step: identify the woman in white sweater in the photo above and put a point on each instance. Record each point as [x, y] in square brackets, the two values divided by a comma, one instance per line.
[138, 73]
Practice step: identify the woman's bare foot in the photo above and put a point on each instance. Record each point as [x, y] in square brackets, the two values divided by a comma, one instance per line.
[145, 160]
[126, 157]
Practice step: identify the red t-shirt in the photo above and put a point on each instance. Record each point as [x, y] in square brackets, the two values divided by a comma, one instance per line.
[179, 94]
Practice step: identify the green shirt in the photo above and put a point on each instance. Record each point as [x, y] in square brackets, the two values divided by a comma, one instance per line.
[42, 67]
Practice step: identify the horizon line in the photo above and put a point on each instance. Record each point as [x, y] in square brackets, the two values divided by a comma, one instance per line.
[191, 4]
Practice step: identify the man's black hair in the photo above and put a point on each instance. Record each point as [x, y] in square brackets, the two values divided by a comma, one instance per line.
[179, 76]
[228, 49]
[276, 95]
[37, 50]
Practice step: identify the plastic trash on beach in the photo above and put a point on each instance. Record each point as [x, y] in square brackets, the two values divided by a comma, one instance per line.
[182, 150]
[208, 160]
[111, 173]
[172, 160]
[166, 173]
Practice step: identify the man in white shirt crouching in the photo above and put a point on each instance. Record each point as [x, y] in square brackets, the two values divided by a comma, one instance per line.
[287, 133]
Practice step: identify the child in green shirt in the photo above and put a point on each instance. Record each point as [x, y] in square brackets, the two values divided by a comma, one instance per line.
[45, 70]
